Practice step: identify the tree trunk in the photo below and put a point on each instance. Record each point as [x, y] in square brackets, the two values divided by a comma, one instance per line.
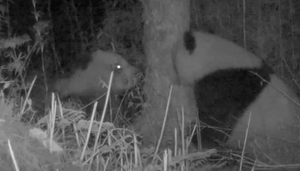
[165, 23]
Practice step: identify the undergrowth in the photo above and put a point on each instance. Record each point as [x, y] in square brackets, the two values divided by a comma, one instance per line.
[59, 136]
[65, 141]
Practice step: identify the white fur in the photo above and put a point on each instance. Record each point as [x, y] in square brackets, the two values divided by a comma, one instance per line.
[212, 53]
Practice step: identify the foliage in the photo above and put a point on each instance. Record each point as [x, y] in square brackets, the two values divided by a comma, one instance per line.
[45, 38]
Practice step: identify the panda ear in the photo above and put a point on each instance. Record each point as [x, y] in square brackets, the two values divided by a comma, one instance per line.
[83, 60]
[189, 41]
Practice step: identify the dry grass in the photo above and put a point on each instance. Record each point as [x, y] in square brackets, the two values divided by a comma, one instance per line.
[267, 28]
[114, 148]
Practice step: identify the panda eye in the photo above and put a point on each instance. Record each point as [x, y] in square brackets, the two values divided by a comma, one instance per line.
[117, 68]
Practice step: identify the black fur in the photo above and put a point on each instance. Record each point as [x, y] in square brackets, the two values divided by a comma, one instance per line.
[83, 61]
[223, 96]
[79, 62]
[189, 41]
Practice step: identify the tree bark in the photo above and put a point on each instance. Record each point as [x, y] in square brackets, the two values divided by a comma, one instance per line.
[165, 23]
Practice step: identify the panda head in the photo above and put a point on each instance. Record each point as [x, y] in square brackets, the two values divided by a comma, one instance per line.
[125, 75]
[88, 81]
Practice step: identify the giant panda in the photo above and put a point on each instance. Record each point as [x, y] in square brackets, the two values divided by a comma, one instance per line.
[232, 88]
[86, 82]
